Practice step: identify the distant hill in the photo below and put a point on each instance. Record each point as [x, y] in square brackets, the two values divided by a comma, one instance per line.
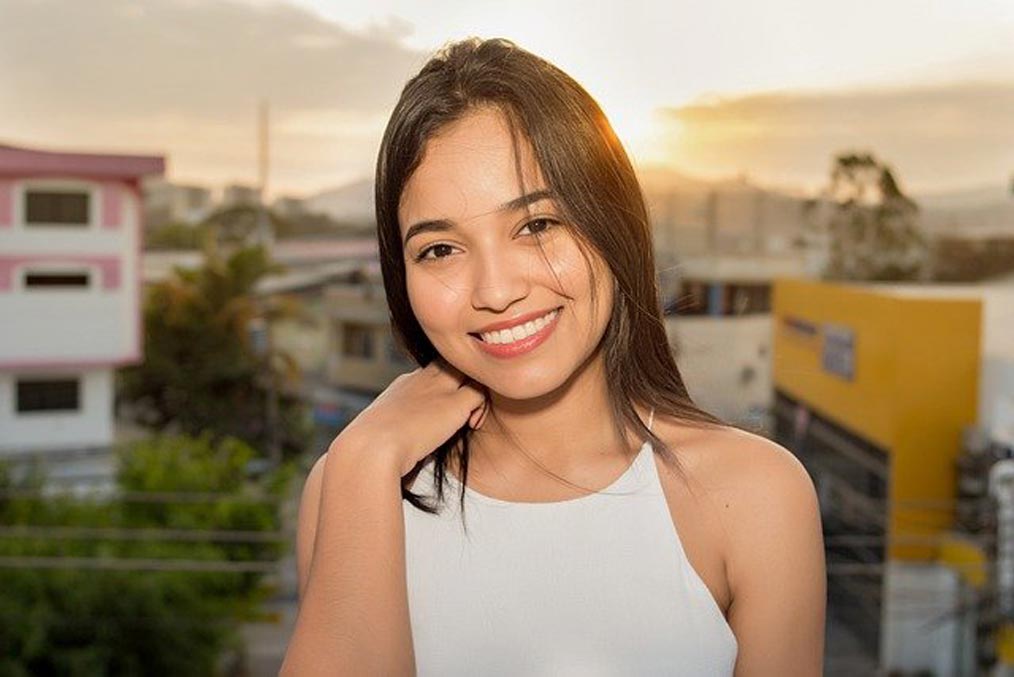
[349, 203]
[977, 196]
[979, 211]
[681, 205]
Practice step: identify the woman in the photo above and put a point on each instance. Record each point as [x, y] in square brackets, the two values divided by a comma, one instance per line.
[603, 524]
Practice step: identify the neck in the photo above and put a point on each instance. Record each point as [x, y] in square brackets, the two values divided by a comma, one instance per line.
[560, 430]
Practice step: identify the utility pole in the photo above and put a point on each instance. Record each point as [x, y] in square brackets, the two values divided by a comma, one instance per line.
[265, 238]
[265, 234]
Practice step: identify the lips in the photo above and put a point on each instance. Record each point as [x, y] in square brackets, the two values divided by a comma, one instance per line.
[514, 321]
[521, 339]
[519, 331]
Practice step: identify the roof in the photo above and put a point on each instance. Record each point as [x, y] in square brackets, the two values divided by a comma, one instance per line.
[15, 161]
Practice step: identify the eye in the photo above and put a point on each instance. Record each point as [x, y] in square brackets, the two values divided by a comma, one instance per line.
[539, 226]
[436, 249]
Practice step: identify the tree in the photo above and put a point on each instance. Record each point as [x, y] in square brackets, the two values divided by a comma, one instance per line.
[201, 371]
[872, 229]
[112, 620]
[175, 236]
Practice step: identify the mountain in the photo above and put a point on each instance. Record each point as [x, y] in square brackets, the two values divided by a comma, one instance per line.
[977, 212]
[352, 202]
[975, 197]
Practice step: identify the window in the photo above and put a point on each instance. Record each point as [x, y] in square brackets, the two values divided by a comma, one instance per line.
[357, 341]
[692, 299]
[62, 394]
[57, 280]
[57, 207]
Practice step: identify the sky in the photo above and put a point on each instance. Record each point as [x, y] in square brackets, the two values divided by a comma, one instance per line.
[768, 89]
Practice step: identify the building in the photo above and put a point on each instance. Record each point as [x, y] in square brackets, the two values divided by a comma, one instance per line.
[362, 357]
[70, 241]
[289, 207]
[718, 319]
[876, 387]
[166, 202]
[240, 195]
[361, 354]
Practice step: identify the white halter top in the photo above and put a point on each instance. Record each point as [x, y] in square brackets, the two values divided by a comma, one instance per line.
[592, 586]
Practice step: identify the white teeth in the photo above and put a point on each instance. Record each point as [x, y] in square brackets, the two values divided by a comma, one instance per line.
[519, 332]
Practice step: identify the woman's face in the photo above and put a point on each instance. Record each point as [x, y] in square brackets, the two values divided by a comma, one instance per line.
[471, 237]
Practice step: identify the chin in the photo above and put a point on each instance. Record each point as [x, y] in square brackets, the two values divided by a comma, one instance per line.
[526, 384]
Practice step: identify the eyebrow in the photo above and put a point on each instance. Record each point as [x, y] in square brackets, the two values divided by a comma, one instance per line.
[440, 225]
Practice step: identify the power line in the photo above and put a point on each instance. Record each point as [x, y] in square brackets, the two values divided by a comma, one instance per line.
[144, 496]
[137, 564]
[144, 534]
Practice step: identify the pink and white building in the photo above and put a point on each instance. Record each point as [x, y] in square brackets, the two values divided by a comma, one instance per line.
[70, 241]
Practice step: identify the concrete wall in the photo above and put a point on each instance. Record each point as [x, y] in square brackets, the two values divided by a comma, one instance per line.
[90, 426]
[66, 327]
[726, 364]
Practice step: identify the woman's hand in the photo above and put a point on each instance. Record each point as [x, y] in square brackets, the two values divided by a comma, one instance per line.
[418, 412]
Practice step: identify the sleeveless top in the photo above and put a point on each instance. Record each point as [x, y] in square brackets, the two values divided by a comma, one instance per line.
[592, 586]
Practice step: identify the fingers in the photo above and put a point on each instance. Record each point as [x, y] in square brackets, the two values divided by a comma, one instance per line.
[441, 367]
[472, 392]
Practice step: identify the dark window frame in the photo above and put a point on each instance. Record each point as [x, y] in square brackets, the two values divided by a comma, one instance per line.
[66, 210]
[47, 395]
[362, 344]
[69, 279]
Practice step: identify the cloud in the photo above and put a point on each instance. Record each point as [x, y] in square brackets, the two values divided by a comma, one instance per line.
[209, 58]
[932, 135]
[184, 76]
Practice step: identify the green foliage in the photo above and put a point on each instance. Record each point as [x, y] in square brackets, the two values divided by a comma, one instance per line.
[106, 622]
[175, 236]
[200, 370]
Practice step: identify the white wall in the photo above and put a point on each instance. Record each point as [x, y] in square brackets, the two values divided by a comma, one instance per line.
[62, 326]
[715, 356]
[996, 378]
[920, 630]
[90, 426]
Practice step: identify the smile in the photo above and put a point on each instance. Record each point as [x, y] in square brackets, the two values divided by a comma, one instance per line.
[519, 339]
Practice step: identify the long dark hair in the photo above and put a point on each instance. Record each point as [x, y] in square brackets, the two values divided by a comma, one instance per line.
[588, 171]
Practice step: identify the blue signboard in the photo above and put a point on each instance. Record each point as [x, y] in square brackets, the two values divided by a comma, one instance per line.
[839, 354]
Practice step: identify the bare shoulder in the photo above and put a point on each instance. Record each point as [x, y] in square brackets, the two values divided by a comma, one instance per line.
[767, 525]
[756, 479]
[761, 478]
[756, 490]
[306, 533]
[728, 457]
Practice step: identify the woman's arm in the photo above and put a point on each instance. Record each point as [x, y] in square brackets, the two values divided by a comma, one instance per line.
[775, 562]
[353, 614]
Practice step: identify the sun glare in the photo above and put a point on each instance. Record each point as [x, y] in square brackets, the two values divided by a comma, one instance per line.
[647, 137]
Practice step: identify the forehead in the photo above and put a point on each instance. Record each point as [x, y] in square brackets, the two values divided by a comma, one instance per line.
[468, 170]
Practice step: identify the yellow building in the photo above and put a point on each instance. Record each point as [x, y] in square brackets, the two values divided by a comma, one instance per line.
[873, 388]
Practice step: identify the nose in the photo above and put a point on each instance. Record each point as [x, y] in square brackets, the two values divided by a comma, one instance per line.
[499, 281]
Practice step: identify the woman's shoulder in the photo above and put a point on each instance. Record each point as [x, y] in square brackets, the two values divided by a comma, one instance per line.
[724, 458]
[753, 491]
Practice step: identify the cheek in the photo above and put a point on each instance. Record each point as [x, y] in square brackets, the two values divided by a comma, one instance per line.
[436, 304]
[572, 268]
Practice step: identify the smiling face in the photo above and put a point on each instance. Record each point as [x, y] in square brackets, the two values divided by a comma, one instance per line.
[480, 285]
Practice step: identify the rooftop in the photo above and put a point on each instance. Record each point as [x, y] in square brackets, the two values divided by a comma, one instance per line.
[16, 161]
